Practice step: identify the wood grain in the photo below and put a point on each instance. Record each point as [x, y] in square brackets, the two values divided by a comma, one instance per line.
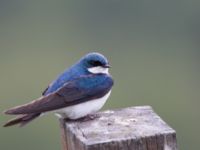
[133, 128]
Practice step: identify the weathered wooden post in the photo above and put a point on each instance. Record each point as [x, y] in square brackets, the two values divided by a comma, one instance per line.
[134, 128]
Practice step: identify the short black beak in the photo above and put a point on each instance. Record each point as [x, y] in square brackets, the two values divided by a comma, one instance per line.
[107, 66]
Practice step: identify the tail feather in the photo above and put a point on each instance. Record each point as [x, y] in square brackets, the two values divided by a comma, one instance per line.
[22, 120]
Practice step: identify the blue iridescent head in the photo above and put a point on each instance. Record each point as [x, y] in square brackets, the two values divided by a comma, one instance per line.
[95, 63]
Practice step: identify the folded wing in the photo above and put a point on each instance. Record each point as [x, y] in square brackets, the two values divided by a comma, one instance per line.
[77, 91]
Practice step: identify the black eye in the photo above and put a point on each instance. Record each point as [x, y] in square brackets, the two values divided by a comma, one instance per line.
[96, 63]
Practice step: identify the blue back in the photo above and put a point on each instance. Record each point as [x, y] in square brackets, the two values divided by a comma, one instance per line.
[69, 74]
[77, 70]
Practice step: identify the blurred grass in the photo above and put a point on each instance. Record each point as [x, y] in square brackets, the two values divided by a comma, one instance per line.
[153, 47]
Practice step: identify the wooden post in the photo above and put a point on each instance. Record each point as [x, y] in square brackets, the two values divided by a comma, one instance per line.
[134, 128]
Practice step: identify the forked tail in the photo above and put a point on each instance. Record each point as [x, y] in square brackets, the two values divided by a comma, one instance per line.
[22, 119]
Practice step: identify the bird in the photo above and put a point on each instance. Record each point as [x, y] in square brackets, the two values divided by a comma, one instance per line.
[78, 92]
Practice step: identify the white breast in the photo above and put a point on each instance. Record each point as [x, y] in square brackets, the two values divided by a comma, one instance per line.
[83, 109]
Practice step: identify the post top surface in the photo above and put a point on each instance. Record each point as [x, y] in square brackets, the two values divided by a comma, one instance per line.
[120, 124]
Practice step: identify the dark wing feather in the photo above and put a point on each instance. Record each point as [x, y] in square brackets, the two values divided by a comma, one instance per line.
[71, 93]
[42, 104]
[43, 93]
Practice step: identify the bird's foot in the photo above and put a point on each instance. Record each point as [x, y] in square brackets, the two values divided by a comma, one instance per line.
[84, 119]
[93, 116]
[89, 117]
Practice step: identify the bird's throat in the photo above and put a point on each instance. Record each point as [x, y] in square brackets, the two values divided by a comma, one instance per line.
[99, 69]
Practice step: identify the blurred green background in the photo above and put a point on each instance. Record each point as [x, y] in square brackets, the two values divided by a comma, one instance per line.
[153, 47]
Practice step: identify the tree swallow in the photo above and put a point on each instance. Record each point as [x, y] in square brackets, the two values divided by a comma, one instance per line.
[79, 91]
